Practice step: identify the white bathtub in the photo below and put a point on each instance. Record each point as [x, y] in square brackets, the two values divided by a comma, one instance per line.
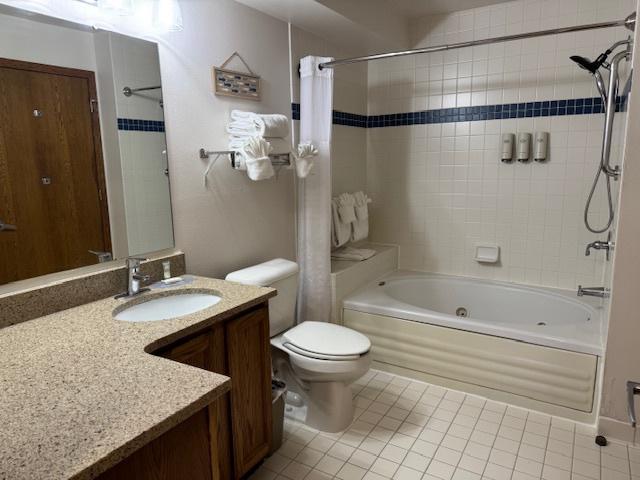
[542, 316]
[535, 347]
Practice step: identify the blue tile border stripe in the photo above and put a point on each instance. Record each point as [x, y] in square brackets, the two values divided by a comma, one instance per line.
[138, 125]
[548, 108]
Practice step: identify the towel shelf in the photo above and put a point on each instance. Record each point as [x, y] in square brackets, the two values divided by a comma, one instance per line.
[277, 160]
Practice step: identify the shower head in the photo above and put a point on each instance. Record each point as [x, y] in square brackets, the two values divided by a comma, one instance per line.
[588, 65]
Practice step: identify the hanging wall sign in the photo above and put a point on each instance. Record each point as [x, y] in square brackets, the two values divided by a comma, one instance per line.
[231, 83]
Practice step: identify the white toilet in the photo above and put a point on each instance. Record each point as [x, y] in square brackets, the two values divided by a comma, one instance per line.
[323, 358]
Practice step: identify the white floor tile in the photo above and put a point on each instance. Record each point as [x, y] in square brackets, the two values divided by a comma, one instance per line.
[410, 430]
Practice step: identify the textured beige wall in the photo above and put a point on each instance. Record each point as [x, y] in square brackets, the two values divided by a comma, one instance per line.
[234, 222]
[622, 358]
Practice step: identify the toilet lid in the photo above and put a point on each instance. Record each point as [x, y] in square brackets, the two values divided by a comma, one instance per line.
[327, 339]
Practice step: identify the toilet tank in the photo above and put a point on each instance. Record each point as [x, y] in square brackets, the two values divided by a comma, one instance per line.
[282, 275]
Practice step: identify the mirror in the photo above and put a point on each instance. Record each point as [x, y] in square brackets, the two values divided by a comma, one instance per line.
[83, 165]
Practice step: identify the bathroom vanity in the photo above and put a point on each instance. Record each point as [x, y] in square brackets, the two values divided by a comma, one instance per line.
[88, 396]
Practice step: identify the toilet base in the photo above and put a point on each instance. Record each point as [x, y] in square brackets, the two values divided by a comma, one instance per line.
[329, 406]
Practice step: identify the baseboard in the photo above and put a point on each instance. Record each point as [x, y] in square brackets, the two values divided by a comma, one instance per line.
[616, 430]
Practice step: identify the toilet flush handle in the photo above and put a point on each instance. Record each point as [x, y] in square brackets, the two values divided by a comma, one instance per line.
[633, 389]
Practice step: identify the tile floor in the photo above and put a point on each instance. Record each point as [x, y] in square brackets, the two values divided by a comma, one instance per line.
[410, 430]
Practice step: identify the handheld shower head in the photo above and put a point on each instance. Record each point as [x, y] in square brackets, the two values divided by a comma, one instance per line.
[588, 65]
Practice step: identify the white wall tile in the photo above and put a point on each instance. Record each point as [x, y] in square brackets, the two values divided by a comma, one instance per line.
[461, 194]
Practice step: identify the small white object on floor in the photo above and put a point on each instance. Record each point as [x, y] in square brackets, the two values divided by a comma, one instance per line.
[354, 254]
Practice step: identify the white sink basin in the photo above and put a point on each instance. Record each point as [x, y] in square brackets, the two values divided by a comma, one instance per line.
[170, 306]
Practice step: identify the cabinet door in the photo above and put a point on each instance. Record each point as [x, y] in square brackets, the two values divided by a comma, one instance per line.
[198, 352]
[194, 352]
[222, 433]
[181, 453]
[249, 365]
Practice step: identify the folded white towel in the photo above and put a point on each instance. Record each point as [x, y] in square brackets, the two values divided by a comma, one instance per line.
[256, 159]
[360, 227]
[355, 254]
[362, 209]
[347, 208]
[340, 232]
[252, 124]
[280, 145]
[304, 159]
[237, 142]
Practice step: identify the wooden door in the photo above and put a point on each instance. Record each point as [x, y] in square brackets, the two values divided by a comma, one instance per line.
[249, 364]
[51, 170]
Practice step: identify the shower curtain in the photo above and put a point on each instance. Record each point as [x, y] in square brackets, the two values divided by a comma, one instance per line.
[314, 194]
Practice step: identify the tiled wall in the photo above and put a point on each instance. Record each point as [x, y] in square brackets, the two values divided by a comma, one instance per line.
[439, 187]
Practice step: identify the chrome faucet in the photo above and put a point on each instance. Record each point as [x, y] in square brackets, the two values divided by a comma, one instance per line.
[600, 292]
[134, 277]
[600, 245]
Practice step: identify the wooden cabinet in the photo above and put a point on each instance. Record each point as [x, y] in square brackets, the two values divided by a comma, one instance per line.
[230, 437]
[249, 366]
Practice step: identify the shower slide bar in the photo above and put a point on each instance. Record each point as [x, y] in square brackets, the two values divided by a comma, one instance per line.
[628, 22]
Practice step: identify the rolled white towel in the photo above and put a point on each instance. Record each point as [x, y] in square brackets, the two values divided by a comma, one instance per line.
[256, 159]
[264, 125]
[347, 208]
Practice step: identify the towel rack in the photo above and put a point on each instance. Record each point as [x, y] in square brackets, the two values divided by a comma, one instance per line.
[277, 160]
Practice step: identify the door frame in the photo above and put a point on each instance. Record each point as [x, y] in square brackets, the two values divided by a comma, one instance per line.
[98, 167]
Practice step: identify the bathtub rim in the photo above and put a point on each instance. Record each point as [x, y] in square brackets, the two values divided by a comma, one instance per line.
[405, 311]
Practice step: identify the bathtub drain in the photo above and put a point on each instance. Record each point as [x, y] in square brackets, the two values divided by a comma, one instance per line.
[541, 324]
[461, 312]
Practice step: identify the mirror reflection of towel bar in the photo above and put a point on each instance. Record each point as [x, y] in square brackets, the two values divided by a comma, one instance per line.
[128, 91]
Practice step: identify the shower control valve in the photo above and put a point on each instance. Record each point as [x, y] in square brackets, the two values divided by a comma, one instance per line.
[601, 245]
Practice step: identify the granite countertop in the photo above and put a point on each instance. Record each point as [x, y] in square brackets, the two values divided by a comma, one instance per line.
[79, 391]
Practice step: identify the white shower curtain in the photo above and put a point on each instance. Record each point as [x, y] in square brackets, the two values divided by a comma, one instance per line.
[314, 194]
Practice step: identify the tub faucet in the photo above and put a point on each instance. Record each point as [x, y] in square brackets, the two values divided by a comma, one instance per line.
[601, 292]
[601, 245]
[134, 277]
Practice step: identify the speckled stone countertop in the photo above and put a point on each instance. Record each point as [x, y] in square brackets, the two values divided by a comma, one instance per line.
[79, 392]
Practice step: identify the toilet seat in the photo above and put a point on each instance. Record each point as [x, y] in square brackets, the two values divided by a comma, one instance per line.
[326, 341]
[319, 356]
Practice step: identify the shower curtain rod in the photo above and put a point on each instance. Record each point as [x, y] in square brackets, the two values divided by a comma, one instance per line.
[628, 22]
